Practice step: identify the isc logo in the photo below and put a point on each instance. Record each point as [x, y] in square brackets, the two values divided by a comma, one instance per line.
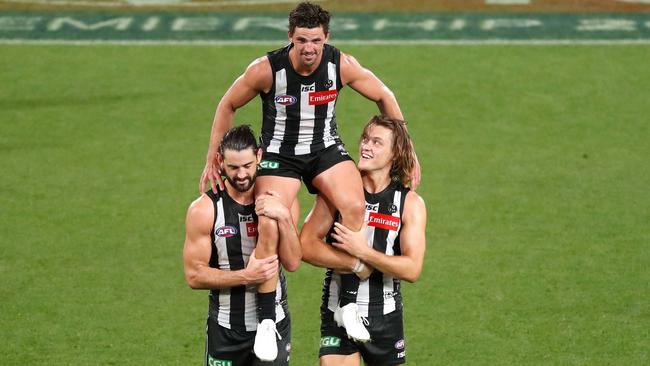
[308, 88]
[286, 99]
[226, 231]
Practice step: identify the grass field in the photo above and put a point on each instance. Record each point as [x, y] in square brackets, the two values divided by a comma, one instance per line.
[536, 176]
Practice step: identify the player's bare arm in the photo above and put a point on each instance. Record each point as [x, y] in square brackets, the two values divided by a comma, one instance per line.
[197, 250]
[315, 250]
[406, 266]
[367, 84]
[269, 204]
[256, 79]
[370, 86]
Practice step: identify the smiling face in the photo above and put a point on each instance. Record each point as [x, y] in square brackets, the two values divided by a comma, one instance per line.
[308, 46]
[376, 149]
[240, 168]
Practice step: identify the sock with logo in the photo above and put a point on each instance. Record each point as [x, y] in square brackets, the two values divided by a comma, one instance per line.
[266, 306]
[349, 289]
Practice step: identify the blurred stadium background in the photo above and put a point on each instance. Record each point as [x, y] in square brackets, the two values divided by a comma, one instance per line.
[535, 172]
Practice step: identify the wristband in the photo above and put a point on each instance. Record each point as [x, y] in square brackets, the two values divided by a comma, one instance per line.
[358, 266]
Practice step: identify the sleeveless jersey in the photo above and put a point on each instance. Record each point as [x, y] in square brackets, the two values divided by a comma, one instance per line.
[379, 294]
[299, 111]
[234, 236]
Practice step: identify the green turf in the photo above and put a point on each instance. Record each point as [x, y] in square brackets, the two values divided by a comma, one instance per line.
[535, 174]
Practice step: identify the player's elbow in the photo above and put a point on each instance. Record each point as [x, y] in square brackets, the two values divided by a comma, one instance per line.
[193, 280]
[412, 275]
[292, 265]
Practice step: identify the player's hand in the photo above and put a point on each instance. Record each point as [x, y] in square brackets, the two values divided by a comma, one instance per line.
[353, 242]
[260, 270]
[415, 173]
[269, 204]
[212, 174]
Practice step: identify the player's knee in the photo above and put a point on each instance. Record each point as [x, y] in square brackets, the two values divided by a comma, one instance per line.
[353, 213]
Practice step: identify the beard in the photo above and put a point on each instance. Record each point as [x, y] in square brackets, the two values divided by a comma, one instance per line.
[241, 185]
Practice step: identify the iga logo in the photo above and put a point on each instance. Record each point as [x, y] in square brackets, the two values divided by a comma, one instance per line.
[226, 231]
[286, 99]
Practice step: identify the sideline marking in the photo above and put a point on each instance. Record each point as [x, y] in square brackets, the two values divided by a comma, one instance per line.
[353, 42]
[153, 3]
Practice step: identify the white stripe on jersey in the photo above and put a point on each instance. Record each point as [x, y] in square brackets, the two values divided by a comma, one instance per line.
[333, 301]
[247, 245]
[331, 74]
[389, 285]
[281, 112]
[279, 311]
[222, 264]
[307, 117]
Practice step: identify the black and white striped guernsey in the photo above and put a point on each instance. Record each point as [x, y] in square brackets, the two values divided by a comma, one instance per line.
[379, 294]
[234, 236]
[299, 111]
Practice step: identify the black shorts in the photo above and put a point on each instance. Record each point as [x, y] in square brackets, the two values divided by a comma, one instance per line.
[305, 167]
[386, 345]
[235, 348]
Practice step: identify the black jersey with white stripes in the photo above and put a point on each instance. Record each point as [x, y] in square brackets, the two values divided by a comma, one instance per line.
[379, 294]
[234, 236]
[299, 111]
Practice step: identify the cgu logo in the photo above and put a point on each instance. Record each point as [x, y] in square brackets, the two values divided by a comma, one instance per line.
[226, 231]
[330, 342]
[286, 99]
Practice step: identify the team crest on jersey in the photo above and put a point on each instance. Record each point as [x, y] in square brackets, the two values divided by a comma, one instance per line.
[392, 208]
[226, 231]
[399, 344]
[328, 84]
[383, 221]
[322, 97]
[286, 99]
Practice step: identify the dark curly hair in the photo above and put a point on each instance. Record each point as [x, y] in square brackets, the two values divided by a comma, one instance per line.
[309, 15]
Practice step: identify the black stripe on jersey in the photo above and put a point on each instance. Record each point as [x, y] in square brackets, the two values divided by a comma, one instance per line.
[320, 110]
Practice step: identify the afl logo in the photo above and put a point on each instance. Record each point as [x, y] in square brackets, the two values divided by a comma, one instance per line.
[226, 231]
[286, 99]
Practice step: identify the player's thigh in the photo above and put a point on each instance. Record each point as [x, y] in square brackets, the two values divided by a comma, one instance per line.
[341, 184]
[286, 187]
[340, 360]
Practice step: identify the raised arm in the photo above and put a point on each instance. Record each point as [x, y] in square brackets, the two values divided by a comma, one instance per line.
[367, 84]
[370, 86]
[256, 79]
[197, 251]
[315, 250]
[406, 266]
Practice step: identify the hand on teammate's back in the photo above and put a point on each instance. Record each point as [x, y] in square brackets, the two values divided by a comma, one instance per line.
[260, 270]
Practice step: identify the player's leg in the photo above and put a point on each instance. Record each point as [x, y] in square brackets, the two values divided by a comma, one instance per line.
[341, 360]
[340, 182]
[267, 245]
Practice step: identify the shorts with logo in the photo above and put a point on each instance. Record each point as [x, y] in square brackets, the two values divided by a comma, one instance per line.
[229, 347]
[386, 345]
[305, 167]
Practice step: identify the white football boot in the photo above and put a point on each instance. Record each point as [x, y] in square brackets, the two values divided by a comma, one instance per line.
[348, 317]
[266, 347]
